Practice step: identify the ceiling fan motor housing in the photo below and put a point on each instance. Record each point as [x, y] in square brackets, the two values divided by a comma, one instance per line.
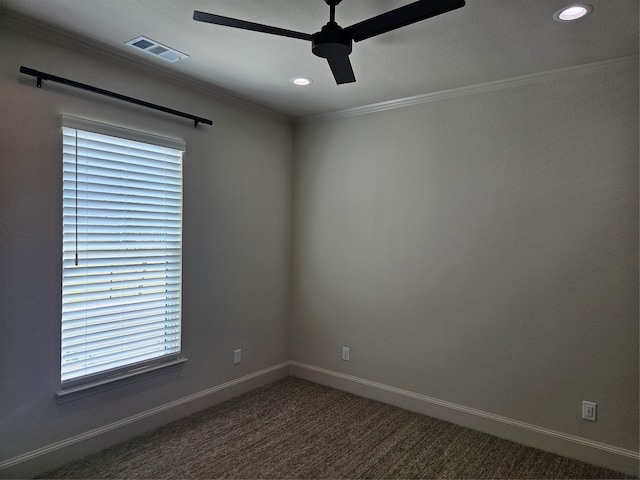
[331, 41]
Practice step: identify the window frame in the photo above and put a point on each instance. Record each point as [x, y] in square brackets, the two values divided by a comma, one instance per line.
[108, 378]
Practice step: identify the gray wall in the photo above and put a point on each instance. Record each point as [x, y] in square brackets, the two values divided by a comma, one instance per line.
[481, 250]
[237, 235]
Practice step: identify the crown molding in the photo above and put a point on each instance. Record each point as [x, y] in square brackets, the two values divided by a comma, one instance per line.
[84, 45]
[475, 89]
[32, 28]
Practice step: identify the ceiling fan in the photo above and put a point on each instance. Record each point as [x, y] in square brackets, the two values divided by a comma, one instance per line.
[334, 42]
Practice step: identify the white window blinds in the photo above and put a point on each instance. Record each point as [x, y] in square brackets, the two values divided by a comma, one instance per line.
[122, 250]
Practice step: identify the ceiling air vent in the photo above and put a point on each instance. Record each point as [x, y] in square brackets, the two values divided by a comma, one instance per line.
[156, 49]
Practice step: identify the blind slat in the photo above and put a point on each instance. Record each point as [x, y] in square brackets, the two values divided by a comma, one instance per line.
[85, 368]
[81, 335]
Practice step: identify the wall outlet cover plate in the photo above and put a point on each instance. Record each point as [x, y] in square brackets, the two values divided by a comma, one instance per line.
[589, 411]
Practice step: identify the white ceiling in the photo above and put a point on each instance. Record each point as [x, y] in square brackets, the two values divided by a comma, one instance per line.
[487, 40]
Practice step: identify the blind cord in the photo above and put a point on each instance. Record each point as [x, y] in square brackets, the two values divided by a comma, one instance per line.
[76, 195]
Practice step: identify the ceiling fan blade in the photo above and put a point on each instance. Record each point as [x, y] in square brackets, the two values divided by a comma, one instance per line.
[400, 17]
[341, 69]
[256, 27]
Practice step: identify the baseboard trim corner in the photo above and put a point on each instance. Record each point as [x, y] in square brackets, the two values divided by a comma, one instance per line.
[608, 456]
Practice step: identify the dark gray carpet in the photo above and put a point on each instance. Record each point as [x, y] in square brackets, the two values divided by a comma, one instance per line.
[297, 429]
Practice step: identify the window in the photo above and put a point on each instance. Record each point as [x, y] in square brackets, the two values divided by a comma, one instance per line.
[122, 251]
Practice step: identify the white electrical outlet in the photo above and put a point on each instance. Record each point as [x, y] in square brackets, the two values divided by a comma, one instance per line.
[345, 353]
[589, 411]
[237, 356]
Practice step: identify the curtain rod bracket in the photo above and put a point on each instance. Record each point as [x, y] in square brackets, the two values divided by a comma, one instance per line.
[40, 76]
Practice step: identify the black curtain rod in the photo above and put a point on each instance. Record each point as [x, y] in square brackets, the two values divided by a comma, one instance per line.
[46, 76]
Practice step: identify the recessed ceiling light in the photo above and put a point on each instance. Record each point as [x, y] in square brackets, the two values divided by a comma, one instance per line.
[302, 81]
[572, 12]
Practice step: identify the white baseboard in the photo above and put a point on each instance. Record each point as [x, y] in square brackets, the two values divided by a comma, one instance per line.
[36, 461]
[619, 459]
[597, 453]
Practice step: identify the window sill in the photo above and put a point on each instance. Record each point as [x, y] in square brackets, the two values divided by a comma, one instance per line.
[73, 393]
